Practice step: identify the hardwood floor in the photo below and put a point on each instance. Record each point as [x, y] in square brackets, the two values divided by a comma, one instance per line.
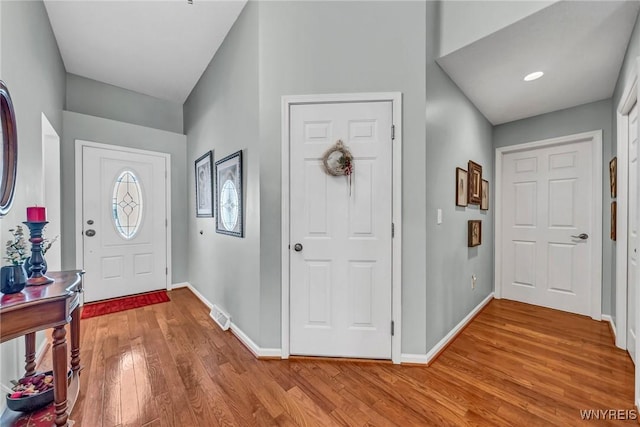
[515, 364]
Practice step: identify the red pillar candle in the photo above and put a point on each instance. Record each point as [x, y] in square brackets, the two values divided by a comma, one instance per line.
[36, 214]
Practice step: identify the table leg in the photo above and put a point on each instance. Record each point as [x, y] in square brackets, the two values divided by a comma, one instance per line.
[30, 356]
[75, 340]
[60, 374]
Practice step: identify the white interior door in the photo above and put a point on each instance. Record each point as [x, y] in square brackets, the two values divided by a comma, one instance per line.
[124, 222]
[340, 279]
[632, 233]
[547, 226]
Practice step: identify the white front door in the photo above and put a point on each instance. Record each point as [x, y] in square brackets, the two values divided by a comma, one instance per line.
[632, 238]
[547, 226]
[340, 279]
[124, 211]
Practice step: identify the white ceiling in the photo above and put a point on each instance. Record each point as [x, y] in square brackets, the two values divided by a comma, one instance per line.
[579, 45]
[159, 48]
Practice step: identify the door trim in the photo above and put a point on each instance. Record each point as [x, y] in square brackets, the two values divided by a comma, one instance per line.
[596, 256]
[628, 98]
[396, 242]
[80, 144]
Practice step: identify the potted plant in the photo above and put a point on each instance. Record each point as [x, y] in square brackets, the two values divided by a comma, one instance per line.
[13, 277]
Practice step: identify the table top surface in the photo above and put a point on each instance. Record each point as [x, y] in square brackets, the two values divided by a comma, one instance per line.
[64, 285]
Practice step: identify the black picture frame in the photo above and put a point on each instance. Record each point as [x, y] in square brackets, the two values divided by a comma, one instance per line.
[230, 195]
[205, 197]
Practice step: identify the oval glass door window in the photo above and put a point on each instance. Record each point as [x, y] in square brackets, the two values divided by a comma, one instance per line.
[229, 205]
[127, 204]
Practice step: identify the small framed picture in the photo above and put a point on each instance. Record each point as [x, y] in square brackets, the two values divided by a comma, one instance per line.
[461, 187]
[475, 233]
[613, 171]
[614, 212]
[204, 185]
[484, 202]
[475, 183]
[229, 195]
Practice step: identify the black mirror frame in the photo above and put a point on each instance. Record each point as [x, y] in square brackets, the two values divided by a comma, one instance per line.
[9, 150]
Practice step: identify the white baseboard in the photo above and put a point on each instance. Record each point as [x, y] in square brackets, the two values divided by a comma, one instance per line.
[607, 318]
[453, 332]
[420, 359]
[252, 346]
[242, 337]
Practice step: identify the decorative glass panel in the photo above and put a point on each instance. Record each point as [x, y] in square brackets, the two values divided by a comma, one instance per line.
[127, 204]
[229, 205]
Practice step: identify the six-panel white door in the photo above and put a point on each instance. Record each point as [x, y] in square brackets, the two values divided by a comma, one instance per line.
[546, 205]
[340, 280]
[124, 223]
[632, 233]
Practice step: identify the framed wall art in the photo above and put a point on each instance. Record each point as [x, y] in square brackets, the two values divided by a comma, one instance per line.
[484, 199]
[475, 183]
[229, 195]
[613, 171]
[475, 233]
[614, 212]
[461, 187]
[204, 185]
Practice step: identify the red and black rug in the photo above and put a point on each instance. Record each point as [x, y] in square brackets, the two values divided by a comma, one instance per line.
[121, 304]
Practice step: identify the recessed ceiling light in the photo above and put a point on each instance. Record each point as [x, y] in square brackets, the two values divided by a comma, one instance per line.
[533, 76]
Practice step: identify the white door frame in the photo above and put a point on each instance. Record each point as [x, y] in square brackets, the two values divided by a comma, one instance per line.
[628, 98]
[80, 144]
[396, 106]
[596, 145]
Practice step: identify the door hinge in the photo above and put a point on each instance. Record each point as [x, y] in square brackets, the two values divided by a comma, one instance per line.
[393, 132]
[166, 271]
[393, 230]
[393, 327]
[166, 222]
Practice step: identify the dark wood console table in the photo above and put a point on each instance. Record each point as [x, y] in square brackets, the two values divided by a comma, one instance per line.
[43, 307]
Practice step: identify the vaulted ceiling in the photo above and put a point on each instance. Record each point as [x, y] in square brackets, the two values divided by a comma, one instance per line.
[158, 48]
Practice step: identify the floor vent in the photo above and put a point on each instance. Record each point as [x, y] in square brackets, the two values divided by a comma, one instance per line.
[221, 318]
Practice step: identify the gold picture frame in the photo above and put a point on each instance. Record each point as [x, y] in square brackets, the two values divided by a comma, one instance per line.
[475, 183]
[613, 171]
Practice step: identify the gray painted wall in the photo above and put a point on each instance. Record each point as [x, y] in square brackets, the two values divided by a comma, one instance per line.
[35, 75]
[456, 132]
[221, 114]
[584, 118]
[333, 47]
[96, 129]
[624, 78]
[99, 99]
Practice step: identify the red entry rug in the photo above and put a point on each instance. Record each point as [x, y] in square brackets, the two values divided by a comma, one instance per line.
[121, 304]
[44, 417]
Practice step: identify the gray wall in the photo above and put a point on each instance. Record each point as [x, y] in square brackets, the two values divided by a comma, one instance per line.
[96, 129]
[332, 47]
[583, 118]
[456, 132]
[99, 99]
[35, 75]
[629, 64]
[221, 114]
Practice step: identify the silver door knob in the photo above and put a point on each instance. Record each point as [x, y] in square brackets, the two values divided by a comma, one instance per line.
[582, 236]
[90, 233]
[297, 247]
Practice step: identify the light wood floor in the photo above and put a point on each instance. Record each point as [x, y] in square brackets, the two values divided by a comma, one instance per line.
[519, 365]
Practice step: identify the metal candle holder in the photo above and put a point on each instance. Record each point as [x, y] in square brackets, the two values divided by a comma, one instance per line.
[35, 275]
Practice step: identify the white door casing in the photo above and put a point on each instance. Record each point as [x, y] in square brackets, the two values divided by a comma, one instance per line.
[339, 290]
[116, 265]
[547, 192]
[51, 194]
[632, 236]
